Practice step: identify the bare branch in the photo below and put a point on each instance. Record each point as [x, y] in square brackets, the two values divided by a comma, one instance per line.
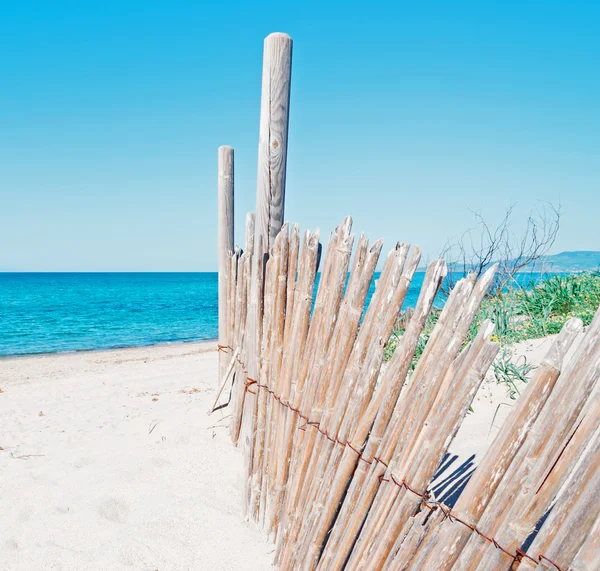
[485, 244]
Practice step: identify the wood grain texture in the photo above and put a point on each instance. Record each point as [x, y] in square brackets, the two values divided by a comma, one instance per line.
[250, 229]
[588, 557]
[442, 550]
[239, 285]
[225, 242]
[418, 464]
[273, 136]
[325, 379]
[575, 511]
[283, 425]
[383, 403]
[544, 441]
[409, 540]
[366, 482]
[426, 382]
[352, 403]
[253, 346]
[271, 270]
[319, 339]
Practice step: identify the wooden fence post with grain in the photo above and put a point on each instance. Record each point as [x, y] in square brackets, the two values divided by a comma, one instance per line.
[273, 136]
[225, 245]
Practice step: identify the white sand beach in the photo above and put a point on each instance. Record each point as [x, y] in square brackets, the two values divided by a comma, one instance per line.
[109, 461]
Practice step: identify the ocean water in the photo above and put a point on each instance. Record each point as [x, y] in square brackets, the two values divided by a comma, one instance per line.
[63, 312]
[66, 312]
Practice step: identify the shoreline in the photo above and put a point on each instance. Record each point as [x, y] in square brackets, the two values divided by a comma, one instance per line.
[10, 357]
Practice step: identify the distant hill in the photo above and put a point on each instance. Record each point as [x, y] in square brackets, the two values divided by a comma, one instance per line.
[578, 261]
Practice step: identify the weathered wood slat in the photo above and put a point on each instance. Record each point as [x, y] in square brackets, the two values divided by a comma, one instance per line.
[338, 463]
[313, 397]
[225, 244]
[572, 519]
[442, 549]
[303, 299]
[239, 299]
[364, 487]
[418, 465]
[272, 338]
[521, 523]
[253, 343]
[544, 439]
[349, 519]
[418, 399]
[408, 543]
[280, 348]
[325, 319]
[588, 557]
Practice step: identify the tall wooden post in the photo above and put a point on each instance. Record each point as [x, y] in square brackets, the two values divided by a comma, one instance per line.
[270, 198]
[225, 244]
[273, 137]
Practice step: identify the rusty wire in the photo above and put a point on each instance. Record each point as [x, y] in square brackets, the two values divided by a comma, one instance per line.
[426, 501]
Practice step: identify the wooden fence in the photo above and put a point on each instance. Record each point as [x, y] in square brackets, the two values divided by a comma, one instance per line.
[341, 447]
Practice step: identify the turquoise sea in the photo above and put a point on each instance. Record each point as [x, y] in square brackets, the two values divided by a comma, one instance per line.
[65, 312]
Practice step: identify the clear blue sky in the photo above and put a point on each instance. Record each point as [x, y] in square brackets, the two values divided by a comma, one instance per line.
[404, 114]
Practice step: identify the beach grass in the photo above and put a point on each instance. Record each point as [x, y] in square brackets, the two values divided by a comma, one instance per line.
[520, 314]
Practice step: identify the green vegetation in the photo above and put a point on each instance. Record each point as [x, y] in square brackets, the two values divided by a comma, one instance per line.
[543, 309]
[520, 314]
[509, 371]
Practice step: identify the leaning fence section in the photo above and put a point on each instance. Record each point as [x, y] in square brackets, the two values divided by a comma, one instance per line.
[341, 447]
